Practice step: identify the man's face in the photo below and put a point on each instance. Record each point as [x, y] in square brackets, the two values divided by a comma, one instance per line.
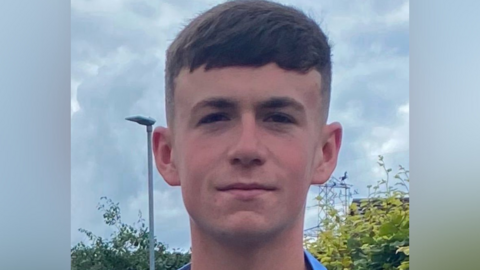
[246, 145]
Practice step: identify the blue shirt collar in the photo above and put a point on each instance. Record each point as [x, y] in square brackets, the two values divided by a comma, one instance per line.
[311, 261]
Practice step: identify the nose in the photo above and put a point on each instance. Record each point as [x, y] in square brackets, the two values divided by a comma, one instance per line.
[247, 150]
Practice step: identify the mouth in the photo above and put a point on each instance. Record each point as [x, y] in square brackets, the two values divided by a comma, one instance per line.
[246, 192]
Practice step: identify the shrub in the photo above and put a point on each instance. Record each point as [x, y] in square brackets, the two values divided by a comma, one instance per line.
[374, 234]
[127, 249]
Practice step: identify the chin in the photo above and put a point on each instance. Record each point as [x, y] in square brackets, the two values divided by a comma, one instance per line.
[245, 236]
[246, 230]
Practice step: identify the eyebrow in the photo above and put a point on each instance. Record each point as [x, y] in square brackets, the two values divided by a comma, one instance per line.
[228, 103]
[280, 103]
[215, 103]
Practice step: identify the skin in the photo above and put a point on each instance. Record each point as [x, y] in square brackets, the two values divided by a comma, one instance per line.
[263, 126]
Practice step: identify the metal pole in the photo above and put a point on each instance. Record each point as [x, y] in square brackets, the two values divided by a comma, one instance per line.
[150, 198]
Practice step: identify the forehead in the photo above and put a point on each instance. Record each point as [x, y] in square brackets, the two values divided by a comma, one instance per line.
[247, 85]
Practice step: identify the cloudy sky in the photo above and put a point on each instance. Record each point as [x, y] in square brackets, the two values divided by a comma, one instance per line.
[117, 58]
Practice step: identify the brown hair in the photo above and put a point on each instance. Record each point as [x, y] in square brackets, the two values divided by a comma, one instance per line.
[249, 33]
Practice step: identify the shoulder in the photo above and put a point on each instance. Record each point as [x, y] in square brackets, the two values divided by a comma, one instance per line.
[185, 267]
[309, 258]
[313, 262]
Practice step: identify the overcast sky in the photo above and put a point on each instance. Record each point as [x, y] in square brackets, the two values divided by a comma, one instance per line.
[118, 58]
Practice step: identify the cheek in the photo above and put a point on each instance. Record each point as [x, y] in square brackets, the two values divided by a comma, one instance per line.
[196, 163]
[295, 155]
[295, 159]
[191, 164]
[191, 171]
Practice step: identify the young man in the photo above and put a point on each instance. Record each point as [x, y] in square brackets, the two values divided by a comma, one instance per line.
[248, 93]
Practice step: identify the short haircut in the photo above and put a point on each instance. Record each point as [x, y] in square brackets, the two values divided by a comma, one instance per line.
[249, 33]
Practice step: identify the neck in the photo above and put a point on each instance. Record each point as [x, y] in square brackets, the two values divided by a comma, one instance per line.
[283, 252]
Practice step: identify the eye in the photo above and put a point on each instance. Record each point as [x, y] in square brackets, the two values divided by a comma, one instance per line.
[212, 118]
[280, 118]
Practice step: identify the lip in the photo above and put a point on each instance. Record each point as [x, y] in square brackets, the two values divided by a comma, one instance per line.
[245, 192]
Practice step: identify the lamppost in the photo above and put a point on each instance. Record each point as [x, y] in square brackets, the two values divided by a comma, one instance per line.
[148, 122]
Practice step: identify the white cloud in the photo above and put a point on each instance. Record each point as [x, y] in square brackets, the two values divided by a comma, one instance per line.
[399, 16]
[75, 107]
[98, 7]
[390, 139]
[171, 15]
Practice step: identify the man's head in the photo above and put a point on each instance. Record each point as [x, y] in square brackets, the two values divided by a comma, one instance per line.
[250, 34]
[248, 88]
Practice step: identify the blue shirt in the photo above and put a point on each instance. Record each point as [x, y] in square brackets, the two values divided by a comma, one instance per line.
[312, 263]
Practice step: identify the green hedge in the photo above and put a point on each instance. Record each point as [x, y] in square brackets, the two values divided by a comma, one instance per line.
[126, 249]
[375, 232]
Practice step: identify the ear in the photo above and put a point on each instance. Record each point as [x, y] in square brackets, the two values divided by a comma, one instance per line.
[327, 153]
[163, 151]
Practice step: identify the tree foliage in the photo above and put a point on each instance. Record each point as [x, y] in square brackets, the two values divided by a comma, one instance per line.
[127, 249]
[373, 235]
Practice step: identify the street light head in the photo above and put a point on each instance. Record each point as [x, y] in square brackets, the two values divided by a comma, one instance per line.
[144, 121]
